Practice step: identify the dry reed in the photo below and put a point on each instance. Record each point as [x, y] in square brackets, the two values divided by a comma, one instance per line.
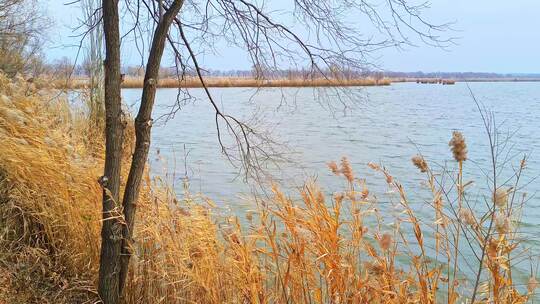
[226, 82]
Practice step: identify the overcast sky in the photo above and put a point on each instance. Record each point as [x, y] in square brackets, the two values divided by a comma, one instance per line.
[494, 36]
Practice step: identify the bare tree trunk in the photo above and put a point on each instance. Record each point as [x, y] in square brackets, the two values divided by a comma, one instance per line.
[111, 232]
[143, 124]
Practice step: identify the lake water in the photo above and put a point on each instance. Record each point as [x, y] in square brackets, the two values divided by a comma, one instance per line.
[384, 125]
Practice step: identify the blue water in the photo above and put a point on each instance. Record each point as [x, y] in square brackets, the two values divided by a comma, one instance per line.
[382, 125]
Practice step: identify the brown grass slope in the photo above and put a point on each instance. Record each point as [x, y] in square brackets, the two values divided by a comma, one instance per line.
[49, 211]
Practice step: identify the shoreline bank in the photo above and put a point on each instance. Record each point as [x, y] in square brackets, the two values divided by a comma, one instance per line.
[241, 82]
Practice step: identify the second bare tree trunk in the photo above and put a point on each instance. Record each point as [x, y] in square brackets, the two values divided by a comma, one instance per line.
[143, 124]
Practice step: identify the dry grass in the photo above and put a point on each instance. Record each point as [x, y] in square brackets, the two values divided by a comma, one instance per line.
[226, 82]
[317, 248]
[49, 198]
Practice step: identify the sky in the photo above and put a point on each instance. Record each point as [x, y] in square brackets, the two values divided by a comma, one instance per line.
[496, 36]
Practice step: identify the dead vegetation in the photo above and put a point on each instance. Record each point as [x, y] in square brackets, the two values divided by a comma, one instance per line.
[241, 82]
[317, 248]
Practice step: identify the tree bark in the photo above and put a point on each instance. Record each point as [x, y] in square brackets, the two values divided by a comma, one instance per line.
[111, 232]
[143, 124]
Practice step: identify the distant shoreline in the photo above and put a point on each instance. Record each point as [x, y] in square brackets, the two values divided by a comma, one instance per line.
[244, 82]
[227, 82]
[473, 79]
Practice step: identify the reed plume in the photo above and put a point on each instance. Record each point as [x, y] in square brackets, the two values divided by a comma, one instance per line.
[420, 163]
[458, 146]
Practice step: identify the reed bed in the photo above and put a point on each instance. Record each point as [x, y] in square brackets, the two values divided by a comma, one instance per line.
[226, 82]
[315, 247]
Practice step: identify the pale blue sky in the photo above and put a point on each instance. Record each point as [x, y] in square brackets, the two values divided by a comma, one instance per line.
[494, 36]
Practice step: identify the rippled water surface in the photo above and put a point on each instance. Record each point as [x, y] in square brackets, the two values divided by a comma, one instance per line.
[383, 124]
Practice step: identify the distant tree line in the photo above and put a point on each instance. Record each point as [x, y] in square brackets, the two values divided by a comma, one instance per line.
[22, 27]
[59, 67]
[63, 66]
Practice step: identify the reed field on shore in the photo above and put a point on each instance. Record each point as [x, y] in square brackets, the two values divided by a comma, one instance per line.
[226, 82]
[245, 82]
[310, 247]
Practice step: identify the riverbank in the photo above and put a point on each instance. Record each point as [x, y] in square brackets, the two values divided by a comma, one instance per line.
[315, 248]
